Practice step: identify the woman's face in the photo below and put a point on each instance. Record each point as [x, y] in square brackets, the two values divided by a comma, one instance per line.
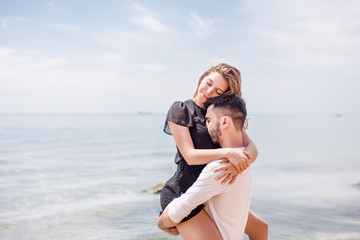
[211, 86]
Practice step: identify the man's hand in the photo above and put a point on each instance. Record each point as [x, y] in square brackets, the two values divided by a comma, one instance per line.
[166, 224]
[172, 231]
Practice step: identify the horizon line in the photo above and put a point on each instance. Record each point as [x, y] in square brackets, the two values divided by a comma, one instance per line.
[143, 113]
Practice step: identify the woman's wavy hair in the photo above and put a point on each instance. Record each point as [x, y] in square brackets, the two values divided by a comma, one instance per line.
[229, 73]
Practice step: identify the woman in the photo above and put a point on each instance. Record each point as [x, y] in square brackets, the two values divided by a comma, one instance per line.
[186, 122]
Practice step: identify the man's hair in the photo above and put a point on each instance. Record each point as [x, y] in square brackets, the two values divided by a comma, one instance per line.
[229, 105]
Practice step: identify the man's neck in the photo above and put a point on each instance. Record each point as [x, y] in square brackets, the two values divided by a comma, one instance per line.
[232, 140]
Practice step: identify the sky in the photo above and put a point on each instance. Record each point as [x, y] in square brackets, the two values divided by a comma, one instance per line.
[295, 57]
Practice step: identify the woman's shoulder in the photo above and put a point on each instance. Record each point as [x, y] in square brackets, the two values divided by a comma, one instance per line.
[181, 108]
[189, 103]
[181, 113]
[187, 106]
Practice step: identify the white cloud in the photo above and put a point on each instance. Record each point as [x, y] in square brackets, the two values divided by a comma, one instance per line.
[12, 20]
[35, 81]
[43, 82]
[201, 25]
[123, 40]
[52, 7]
[213, 60]
[50, 4]
[284, 49]
[4, 24]
[61, 26]
[5, 53]
[153, 67]
[138, 7]
[14, 63]
[321, 37]
[150, 23]
[47, 63]
[147, 18]
[113, 57]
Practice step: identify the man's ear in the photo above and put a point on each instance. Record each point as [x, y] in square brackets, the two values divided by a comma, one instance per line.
[224, 121]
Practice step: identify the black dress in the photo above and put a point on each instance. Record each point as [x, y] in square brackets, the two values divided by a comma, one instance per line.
[190, 115]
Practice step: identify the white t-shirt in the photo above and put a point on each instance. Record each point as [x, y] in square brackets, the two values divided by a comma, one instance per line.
[227, 205]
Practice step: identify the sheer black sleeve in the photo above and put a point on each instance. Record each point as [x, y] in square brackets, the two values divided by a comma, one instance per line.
[178, 114]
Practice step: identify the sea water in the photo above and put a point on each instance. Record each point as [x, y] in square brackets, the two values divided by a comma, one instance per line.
[89, 176]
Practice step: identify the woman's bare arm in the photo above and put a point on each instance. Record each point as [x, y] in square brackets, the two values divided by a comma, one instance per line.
[250, 147]
[194, 156]
[185, 144]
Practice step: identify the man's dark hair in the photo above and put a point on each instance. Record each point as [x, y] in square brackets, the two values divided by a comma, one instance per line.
[229, 105]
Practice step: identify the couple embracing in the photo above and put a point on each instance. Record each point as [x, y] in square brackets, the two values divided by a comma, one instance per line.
[208, 197]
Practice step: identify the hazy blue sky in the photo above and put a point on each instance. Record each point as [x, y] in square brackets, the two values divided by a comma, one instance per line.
[128, 56]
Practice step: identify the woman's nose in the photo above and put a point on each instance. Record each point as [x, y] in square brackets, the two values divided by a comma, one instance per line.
[210, 90]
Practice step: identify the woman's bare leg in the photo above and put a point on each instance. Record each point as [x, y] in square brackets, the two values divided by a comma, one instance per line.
[200, 227]
[256, 228]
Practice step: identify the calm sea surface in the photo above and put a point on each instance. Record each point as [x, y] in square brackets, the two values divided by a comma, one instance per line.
[83, 176]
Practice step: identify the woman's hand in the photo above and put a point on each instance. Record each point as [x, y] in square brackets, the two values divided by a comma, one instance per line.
[230, 172]
[239, 158]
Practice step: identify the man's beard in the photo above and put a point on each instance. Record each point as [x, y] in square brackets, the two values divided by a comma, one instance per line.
[215, 134]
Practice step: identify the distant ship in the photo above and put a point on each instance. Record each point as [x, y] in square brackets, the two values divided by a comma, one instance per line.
[144, 113]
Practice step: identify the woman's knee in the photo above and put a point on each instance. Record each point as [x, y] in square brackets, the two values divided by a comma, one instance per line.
[264, 228]
[256, 228]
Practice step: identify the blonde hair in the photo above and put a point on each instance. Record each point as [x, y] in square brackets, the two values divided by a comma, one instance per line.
[229, 73]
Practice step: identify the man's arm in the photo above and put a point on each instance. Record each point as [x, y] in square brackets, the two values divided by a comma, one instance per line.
[166, 224]
[204, 188]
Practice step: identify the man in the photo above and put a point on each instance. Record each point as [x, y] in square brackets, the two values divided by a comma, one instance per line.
[227, 205]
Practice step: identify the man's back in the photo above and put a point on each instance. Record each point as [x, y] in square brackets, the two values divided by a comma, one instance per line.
[230, 209]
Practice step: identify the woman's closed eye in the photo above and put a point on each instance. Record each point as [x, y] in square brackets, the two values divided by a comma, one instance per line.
[219, 92]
